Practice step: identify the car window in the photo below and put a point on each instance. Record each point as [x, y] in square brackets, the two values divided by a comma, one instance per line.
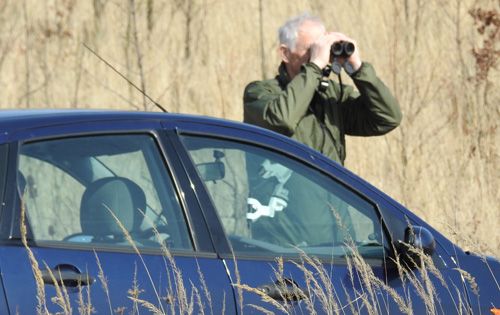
[102, 190]
[271, 204]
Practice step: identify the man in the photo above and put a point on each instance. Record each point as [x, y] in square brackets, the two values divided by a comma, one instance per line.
[299, 104]
[294, 104]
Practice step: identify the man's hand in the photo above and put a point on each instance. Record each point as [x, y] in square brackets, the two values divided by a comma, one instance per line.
[320, 50]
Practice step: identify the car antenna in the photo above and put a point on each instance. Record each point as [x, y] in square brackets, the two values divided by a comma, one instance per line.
[125, 78]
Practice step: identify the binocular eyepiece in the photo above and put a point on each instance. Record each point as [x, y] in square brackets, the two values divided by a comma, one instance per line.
[342, 49]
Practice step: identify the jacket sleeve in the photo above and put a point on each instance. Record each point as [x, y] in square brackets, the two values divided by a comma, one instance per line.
[374, 110]
[267, 105]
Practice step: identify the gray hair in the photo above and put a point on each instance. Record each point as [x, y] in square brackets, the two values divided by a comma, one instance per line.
[289, 31]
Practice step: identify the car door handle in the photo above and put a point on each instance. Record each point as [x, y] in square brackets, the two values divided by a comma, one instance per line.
[66, 275]
[284, 290]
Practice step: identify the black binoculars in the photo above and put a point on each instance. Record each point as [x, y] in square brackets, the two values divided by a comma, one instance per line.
[342, 49]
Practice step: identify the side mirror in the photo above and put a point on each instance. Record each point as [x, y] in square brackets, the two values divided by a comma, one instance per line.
[211, 171]
[417, 241]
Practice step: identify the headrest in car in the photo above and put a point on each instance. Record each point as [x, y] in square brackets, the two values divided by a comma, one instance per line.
[117, 194]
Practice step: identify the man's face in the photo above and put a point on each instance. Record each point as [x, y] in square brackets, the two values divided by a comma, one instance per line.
[308, 33]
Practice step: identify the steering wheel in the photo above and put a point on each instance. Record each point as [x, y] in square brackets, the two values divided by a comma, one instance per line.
[151, 232]
[78, 238]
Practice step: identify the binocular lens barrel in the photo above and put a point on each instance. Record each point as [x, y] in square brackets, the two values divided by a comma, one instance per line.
[348, 48]
[342, 49]
[337, 49]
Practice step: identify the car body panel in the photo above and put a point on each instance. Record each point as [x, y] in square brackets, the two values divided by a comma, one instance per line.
[153, 274]
[224, 274]
[479, 272]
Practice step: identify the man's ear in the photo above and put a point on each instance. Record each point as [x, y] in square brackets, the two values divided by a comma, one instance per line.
[284, 53]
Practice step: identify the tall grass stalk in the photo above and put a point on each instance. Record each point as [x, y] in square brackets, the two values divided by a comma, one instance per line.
[104, 282]
[177, 295]
[132, 243]
[61, 299]
[85, 307]
[37, 273]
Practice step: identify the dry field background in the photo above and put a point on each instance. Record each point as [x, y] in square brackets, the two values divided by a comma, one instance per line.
[439, 57]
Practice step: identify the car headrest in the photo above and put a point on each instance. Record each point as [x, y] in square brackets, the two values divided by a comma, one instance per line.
[117, 194]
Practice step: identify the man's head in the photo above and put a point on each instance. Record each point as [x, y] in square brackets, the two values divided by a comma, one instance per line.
[296, 37]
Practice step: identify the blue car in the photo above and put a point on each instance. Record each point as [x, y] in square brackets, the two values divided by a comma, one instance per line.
[111, 212]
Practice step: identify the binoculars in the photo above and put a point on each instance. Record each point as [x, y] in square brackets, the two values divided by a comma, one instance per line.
[342, 49]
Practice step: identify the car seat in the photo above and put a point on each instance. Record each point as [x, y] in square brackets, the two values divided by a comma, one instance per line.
[117, 195]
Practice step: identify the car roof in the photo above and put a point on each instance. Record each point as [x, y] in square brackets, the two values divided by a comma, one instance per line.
[13, 120]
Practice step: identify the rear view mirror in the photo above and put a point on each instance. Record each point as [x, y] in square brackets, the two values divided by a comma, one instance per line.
[211, 171]
[418, 241]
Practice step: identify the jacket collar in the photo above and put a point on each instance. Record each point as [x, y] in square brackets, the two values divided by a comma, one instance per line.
[283, 77]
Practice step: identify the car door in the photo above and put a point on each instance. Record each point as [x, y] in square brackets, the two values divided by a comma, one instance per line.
[100, 221]
[304, 240]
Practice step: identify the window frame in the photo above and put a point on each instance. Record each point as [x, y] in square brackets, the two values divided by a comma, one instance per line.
[4, 154]
[12, 232]
[253, 141]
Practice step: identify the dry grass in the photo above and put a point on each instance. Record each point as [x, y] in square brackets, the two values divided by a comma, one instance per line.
[439, 57]
[37, 273]
[373, 296]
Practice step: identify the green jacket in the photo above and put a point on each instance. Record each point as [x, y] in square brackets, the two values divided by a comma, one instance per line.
[318, 119]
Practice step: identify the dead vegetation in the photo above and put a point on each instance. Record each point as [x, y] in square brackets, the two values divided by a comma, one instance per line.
[439, 57]
[364, 291]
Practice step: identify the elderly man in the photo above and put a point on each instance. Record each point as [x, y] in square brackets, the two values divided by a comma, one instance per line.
[302, 103]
